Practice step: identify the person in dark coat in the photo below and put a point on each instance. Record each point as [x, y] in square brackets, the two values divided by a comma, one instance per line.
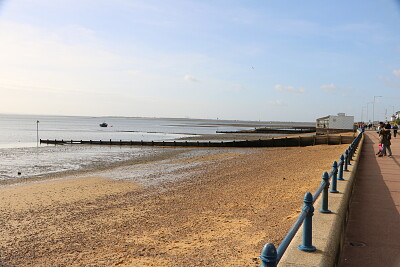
[395, 128]
[384, 139]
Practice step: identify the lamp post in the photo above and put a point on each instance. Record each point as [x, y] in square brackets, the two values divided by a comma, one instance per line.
[362, 113]
[368, 110]
[37, 133]
[373, 108]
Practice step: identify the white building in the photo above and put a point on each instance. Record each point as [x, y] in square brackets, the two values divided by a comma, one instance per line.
[335, 124]
[395, 116]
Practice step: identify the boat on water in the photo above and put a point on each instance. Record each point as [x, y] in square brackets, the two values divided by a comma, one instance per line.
[103, 124]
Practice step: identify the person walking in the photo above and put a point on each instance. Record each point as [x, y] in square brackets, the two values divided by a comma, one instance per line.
[395, 128]
[384, 139]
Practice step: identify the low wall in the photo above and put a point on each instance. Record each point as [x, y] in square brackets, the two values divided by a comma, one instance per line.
[328, 228]
[333, 131]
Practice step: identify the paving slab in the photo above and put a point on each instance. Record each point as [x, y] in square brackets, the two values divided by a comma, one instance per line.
[372, 235]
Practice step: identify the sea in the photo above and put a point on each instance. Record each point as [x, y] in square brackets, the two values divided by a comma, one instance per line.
[22, 156]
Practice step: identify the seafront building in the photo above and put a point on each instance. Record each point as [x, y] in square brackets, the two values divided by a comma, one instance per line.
[395, 116]
[335, 124]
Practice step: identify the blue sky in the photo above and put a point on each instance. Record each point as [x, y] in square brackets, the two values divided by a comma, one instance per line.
[250, 60]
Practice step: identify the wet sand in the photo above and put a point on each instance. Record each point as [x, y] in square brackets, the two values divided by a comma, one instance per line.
[220, 213]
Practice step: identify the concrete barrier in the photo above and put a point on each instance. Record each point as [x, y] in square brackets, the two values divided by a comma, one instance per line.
[328, 229]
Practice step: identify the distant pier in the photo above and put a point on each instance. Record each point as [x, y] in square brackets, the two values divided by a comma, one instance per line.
[273, 142]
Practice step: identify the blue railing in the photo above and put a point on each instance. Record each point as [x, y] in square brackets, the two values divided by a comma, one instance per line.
[270, 256]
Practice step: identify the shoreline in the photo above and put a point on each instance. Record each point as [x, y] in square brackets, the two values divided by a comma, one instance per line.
[220, 209]
[162, 155]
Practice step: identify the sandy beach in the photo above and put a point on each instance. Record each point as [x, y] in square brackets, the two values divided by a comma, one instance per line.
[220, 213]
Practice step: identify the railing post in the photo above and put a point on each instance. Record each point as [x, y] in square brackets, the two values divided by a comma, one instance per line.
[341, 168]
[357, 141]
[346, 155]
[269, 257]
[334, 177]
[324, 206]
[352, 146]
[349, 157]
[307, 225]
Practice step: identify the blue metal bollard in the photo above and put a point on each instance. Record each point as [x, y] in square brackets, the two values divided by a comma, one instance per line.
[341, 168]
[353, 149]
[349, 156]
[324, 206]
[269, 257]
[334, 177]
[307, 225]
[346, 155]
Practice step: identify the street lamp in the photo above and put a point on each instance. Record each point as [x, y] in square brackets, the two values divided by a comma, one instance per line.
[362, 113]
[37, 132]
[373, 108]
[368, 110]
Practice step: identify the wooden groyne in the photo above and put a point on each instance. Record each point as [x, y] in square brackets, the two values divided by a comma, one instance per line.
[273, 142]
[277, 130]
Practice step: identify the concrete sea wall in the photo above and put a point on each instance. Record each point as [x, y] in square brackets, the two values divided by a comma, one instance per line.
[328, 228]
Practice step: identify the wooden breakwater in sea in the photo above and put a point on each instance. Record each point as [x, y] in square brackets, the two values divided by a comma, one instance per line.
[273, 142]
[277, 130]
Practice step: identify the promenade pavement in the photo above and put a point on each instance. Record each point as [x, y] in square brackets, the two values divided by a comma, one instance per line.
[372, 235]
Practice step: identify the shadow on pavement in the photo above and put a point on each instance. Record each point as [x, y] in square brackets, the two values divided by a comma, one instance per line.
[372, 235]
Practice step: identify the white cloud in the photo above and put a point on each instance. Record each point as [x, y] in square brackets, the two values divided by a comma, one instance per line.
[290, 89]
[61, 65]
[133, 72]
[357, 27]
[237, 87]
[334, 89]
[390, 82]
[396, 73]
[329, 87]
[190, 78]
[276, 103]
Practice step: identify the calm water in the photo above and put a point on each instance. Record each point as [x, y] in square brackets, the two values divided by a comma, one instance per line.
[19, 151]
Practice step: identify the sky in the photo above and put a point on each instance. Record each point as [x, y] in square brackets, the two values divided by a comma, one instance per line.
[277, 60]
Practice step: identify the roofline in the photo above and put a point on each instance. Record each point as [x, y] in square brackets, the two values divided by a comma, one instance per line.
[324, 117]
